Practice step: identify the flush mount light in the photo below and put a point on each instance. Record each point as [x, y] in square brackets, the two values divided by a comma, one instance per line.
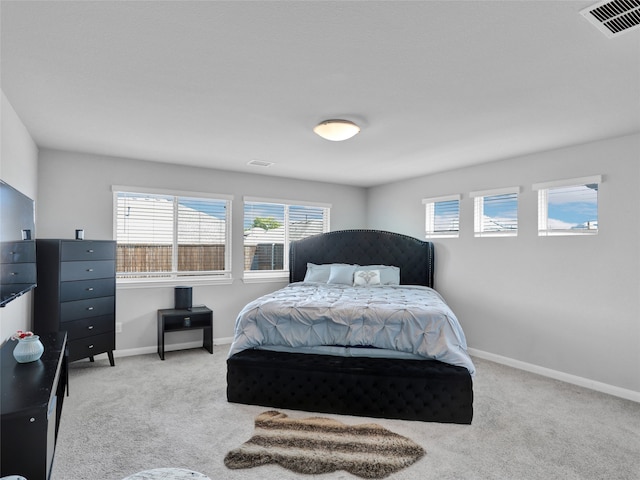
[336, 130]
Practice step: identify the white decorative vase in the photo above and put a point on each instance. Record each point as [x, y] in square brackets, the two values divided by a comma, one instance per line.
[28, 349]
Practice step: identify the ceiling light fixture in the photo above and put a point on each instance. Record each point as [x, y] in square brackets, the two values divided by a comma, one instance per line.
[336, 130]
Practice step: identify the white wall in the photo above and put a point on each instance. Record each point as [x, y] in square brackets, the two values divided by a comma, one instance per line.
[75, 192]
[568, 304]
[18, 168]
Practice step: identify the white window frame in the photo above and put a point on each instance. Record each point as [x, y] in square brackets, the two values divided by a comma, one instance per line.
[176, 278]
[478, 212]
[543, 205]
[430, 217]
[255, 276]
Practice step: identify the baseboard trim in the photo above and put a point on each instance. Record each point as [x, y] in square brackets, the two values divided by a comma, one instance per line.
[129, 352]
[557, 375]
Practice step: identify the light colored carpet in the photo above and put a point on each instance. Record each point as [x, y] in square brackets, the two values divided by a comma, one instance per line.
[145, 413]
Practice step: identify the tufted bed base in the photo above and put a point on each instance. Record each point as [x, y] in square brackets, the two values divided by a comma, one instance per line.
[426, 390]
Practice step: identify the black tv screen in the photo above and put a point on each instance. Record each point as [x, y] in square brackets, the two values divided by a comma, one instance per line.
[17, 244]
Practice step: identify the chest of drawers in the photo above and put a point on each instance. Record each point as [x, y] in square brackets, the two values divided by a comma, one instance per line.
[76, 293]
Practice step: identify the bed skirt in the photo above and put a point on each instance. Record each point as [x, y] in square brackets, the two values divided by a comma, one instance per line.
[426, 390]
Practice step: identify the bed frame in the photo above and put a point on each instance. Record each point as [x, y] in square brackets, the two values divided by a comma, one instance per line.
[426, 390]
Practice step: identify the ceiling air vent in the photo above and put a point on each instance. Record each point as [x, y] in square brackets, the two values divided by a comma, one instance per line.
[259, 163]
[614, 17]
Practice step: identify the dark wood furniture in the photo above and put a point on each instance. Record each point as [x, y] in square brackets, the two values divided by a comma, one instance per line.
[173, 320]
[76, 293]
[32, 398]
[426, 390]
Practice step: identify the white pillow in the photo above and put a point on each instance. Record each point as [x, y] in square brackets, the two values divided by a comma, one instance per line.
[389, 275]
[342, 274]
[366, 277]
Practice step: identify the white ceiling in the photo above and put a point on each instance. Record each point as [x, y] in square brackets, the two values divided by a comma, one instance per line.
[435, 85]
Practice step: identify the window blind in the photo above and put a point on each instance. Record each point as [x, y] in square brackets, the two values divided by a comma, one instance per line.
[496, 212]
[442, 216]
[161, 235]
[269, 227]
[568, 207]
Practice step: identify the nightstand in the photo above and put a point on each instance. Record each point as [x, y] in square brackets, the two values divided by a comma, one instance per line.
[175, 320]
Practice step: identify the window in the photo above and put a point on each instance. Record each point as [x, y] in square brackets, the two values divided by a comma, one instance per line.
[442, 216]
[270, 225]
[162, 235]
[496, 212]
[568, 207]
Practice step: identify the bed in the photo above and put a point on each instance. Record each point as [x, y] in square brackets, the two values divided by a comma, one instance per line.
[390, 348]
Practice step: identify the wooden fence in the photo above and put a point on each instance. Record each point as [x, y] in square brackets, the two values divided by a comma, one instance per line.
[132, 258]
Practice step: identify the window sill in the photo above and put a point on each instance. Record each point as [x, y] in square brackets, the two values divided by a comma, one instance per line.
[567, 233]
[495, 234]
[267, 278]
[125, 283]
[443, 235]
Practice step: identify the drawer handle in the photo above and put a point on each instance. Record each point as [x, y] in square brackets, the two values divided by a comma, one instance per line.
[90, 346]
[13, 274]
[89, 269]
[187, 318]
[90, 251]
[90, 327]
[89, 308]
[90, 289]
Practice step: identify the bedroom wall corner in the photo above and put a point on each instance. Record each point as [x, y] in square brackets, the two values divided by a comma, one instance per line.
[18, 167]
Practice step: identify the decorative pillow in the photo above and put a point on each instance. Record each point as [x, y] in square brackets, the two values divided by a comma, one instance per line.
[389, 275]
[366, 277]
[342, 274]
[317, 273]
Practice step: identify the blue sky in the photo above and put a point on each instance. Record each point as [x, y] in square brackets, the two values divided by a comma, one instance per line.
[575, 205]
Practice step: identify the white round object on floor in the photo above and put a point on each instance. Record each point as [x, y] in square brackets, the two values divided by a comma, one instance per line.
[167, 474]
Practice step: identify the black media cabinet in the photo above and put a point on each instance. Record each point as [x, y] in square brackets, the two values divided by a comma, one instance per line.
[32, 397]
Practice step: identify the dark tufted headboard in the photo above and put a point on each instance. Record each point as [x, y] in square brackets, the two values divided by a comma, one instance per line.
[365, 247]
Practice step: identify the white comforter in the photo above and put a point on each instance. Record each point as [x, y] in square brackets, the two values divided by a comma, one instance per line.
[410, 319]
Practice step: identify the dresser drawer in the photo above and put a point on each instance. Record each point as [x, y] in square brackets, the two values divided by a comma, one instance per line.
[13, 273]
[93, 307]
[70, 271]
[102, 287]
[79, 250]
[87, 327]
[17, 252]
[90, 346]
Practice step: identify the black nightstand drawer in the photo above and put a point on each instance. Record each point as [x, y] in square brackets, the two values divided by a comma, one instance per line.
[90, 346]
[87, 327]
[70, 271]
[102, 287]
[93, 307]
[74, 250]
